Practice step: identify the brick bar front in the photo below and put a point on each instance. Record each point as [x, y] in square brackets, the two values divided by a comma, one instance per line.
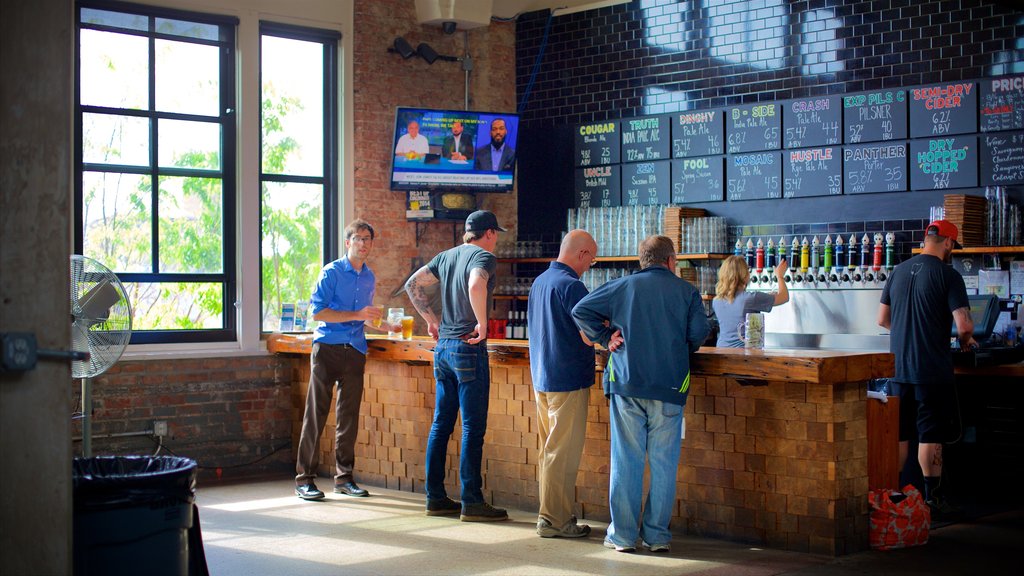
[776, 449]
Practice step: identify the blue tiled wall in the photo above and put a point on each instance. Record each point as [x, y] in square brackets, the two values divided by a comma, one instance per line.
[660, 56]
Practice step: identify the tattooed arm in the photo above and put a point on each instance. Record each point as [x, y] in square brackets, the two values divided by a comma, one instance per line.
[416, 287]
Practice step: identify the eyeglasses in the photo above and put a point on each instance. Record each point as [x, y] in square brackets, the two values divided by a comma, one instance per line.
[586, 251]
[361, 239]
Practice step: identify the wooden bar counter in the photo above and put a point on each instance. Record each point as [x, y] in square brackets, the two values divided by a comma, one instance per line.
[775, 453]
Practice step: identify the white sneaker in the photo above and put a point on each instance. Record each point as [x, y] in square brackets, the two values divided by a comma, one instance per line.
[656, 548]
[570, 530]
[617, 547]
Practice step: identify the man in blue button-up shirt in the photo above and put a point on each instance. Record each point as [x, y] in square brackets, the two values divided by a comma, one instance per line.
[342, 302]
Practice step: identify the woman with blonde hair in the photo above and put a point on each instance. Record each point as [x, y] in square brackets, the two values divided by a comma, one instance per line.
[732, 301]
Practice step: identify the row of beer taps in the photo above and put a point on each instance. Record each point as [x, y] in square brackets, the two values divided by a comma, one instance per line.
[811, 265]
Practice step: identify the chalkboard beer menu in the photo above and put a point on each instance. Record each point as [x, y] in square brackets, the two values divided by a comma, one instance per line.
[754, 128]
[942, 163]
[959, 134]
[599, 186]
[697, 179]
[875, 116]
[1002, 159]
[943, 109]
[1002, 103]
[812, 122]
[646, 183]
[869, 168]
[697, 133]
[754, 176]
[812, 172]
[597, 144]
[645, 139]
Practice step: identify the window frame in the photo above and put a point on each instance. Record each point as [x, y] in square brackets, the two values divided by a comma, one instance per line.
[330, 40]
[228, 173]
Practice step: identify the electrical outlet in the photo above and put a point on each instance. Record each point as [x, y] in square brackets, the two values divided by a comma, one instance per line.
[160, 428]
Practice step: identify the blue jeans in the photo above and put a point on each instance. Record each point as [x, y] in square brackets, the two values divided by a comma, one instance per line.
[643, 429]
[463, 381]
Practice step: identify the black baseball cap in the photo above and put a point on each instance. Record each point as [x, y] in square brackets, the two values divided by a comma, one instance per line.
[482, 221]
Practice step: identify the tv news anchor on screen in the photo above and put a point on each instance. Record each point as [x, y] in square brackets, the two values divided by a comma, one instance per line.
[496, 155]
[457, 146]
[412, 142]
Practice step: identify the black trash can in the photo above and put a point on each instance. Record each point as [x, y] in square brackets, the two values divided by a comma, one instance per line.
[132, 514]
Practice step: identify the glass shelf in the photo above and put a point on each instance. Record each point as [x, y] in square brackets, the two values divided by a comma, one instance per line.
[984, 250]
[704, 256]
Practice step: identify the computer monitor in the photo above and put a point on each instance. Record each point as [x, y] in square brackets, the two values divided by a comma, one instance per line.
[984, 313]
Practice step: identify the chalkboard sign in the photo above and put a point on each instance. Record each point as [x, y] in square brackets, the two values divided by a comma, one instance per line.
[941, 163]
[646, 183]
[812, 172]
[1002, 104]
[597, 144]
[875, 116]
[645, 139]
[869, 168]
[754, 176]
[754, 128]
[697, 133]
[942, 109]
[1002, 159]
[812, 122]
[598, 186]
[698, 179]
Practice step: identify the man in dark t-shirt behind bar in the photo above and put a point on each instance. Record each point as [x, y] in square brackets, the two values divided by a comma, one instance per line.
[920, 302]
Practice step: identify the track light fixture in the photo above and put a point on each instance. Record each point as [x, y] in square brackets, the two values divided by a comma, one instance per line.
[403, 48]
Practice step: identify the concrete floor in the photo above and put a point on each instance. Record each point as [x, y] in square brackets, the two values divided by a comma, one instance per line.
[263, 528]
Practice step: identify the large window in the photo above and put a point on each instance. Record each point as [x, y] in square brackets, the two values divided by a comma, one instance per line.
[298, 176]
[155, 155]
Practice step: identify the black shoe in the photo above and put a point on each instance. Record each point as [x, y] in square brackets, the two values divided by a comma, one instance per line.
[309, 492]
[443, 507]
[350, 489]
[943, 511]
[482, 512]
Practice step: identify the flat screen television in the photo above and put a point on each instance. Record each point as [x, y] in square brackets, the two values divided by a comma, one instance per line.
[425, 155]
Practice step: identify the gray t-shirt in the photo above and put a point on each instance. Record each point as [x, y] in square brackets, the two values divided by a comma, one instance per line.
[452, 268]
[730, 314]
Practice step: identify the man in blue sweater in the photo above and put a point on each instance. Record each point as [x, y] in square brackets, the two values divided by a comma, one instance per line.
[647, 381]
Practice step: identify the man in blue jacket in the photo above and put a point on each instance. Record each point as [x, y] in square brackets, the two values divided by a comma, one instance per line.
[647, 381]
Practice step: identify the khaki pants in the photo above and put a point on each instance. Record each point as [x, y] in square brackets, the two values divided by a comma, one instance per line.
[563, 427]
[330, 363]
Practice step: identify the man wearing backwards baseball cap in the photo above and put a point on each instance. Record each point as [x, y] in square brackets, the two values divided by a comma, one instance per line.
[920, 302]
[466, 275]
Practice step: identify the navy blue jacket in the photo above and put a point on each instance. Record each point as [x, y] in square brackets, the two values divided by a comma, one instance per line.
[662, 321]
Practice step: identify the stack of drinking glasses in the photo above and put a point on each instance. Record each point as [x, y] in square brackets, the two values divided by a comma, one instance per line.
[618, 230]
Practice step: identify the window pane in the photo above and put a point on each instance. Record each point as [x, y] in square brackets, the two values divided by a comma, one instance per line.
[186, 144]
[115, 19]
[176, 305]
[191, 224]
[292, 245]
[187, 78]
[116, 220]
[109, 139]
[188, 29]
[293, 106]
[115, 70]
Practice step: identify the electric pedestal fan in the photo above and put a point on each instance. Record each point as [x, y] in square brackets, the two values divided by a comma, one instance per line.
[101, 325]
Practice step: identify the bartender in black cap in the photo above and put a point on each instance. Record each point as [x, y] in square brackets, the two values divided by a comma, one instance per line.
[920, 302]
[466, 274]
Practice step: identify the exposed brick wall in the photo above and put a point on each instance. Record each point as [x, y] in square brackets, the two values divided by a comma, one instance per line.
[383, 81]
[227, 413]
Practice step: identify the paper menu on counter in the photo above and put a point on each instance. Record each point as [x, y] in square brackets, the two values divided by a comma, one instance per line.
[1017, 277]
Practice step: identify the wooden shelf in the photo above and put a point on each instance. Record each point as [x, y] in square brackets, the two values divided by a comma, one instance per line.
[984, 250]
[704, 256]
[511, 297]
